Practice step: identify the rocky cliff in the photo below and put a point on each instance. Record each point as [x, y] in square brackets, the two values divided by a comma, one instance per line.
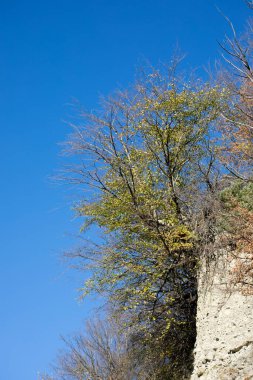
[224, 345]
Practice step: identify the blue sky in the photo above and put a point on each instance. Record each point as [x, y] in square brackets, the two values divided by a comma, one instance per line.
[52, 52]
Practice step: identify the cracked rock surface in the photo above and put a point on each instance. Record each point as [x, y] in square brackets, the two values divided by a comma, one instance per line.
[224, 345]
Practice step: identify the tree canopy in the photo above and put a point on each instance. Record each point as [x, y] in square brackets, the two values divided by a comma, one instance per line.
[150, 158]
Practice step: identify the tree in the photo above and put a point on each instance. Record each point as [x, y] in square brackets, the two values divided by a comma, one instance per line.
[237, 126]
[149, 156]
[103, 352]
[170, 165]
[237, 154]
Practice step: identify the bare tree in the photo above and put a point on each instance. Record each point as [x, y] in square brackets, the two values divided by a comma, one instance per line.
[237, 126]
[103, 352]
[237, 154]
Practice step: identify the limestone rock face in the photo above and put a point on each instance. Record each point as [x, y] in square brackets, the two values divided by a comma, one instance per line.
[224, 345]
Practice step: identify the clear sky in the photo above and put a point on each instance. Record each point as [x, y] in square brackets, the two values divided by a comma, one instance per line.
[52, 52]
